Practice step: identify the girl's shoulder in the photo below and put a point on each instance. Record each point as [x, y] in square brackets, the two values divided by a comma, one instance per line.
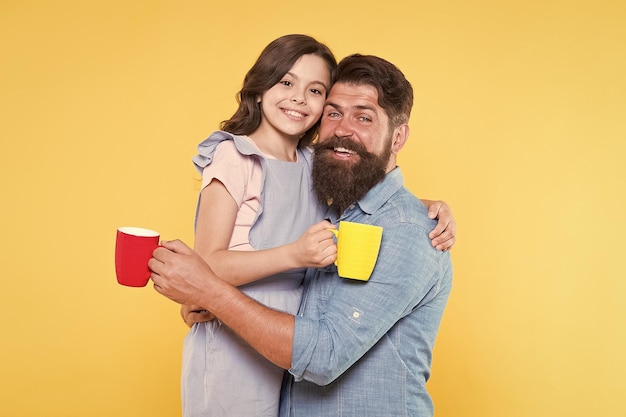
[307, 154]
[206, 149]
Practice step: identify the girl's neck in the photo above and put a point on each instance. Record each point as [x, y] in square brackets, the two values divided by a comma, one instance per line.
[275, 145]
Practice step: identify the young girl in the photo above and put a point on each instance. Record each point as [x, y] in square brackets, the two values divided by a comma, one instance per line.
[254, 221]
[255, 207]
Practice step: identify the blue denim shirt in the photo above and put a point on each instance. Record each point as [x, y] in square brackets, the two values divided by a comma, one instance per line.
[364, 348]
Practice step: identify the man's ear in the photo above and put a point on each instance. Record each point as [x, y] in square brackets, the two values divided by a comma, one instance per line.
[400, 136]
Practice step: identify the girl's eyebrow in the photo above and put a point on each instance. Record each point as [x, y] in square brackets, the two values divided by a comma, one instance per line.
[322, 83]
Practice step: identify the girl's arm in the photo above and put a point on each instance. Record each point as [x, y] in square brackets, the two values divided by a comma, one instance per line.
[216, 220]
[443, 236]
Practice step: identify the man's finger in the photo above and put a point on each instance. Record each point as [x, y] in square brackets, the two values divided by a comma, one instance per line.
[177, 246]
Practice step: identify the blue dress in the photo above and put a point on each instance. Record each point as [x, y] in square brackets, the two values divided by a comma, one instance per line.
[221, 374]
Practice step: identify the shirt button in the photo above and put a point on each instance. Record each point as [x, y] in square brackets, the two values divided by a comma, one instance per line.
[355, 315]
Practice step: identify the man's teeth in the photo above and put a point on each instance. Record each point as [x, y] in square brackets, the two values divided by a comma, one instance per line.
[344, 150]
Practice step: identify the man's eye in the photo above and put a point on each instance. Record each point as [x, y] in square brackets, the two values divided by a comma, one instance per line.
[365, 119]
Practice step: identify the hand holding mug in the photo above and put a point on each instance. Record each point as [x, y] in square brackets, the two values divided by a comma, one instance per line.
[133, 249]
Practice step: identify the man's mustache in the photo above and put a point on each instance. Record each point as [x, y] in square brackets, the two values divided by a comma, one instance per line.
[341, 142]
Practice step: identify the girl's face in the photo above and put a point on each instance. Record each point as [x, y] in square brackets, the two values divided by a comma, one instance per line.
[295, 103]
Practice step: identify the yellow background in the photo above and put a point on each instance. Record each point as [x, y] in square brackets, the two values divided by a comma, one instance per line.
[519, 124]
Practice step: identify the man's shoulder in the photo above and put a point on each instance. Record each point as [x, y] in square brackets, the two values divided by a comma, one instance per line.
[405, 208]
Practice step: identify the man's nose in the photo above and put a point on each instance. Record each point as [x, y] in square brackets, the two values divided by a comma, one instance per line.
[344, 128]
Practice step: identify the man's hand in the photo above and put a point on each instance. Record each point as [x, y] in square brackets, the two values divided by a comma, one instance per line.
[193, 314]
[180, 274]
[444, 234]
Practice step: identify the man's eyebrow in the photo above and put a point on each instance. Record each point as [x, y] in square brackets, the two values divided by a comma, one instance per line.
[357, 106]
[365, 107]
[331, 104]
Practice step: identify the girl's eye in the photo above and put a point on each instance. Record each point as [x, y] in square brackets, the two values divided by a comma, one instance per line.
[316, 91]
[286, 83]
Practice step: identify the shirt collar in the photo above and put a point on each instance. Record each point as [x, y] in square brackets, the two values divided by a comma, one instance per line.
[382, 192]
[377, 196]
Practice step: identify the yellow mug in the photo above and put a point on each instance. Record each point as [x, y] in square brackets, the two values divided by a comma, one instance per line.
[357, 249]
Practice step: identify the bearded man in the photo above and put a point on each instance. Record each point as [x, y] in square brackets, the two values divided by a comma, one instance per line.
[356, 348]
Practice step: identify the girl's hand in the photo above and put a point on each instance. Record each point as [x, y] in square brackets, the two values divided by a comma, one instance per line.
[316, 248]
[443, 236]
[193, 314]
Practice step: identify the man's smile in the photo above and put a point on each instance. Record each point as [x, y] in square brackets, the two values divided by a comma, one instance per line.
[340, 151]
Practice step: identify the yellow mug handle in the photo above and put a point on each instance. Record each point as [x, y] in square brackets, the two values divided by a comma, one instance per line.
[336, 233]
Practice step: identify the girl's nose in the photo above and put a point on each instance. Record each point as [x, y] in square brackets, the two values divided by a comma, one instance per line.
[298, 98]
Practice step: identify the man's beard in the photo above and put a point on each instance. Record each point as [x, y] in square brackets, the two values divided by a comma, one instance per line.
[341, 183]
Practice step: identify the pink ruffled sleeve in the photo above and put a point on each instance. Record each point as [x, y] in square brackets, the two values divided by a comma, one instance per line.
[242, 177]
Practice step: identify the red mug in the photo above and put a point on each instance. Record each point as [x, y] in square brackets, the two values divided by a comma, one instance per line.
[133, 250]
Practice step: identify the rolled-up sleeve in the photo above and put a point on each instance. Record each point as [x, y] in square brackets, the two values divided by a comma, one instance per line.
[345, 318]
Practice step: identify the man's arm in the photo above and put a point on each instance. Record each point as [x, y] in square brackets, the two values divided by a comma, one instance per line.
[181, 275]
[330, 339]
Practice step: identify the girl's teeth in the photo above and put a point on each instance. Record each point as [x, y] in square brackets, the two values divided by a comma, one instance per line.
[294, 113]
